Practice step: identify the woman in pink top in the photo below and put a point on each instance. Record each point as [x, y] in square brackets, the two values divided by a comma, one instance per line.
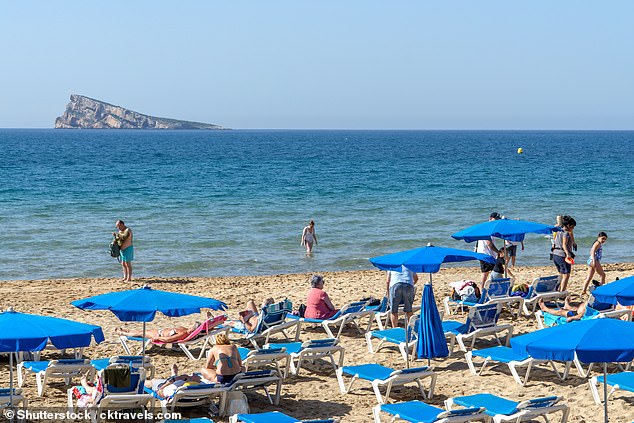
[318, 304]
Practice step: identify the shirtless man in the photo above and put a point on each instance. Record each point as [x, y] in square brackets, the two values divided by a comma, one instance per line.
[574, 308]
[124, 239]
[162, 335]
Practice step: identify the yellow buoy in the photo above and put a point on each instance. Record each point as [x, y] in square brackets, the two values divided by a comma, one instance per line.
[520, 150]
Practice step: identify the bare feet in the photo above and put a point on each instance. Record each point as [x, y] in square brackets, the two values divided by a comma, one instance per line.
[118, 330]
[174, 369]
[542, 306]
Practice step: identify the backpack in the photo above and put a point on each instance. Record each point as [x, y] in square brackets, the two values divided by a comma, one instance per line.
[114, 249]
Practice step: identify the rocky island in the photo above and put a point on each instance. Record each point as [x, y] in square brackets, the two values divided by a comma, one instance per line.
[88, 113]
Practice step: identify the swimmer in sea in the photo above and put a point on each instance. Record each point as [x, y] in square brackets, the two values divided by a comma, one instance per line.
[309, 237]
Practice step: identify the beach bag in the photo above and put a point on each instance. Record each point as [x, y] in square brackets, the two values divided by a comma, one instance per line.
[519, 290]
[302, 310]
[115, 250]
[237, 403]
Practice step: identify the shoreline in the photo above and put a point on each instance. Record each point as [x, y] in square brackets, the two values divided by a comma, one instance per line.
[315, 393]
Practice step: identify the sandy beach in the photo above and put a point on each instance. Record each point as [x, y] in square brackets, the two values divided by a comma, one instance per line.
[315, 393]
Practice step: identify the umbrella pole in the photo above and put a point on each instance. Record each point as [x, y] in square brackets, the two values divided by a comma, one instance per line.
[10, 379]
[143, 347]
[605, 392]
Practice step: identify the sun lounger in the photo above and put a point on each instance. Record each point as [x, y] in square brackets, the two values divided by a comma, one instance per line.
[261, 379]
[269, 356]
[132, 360]
[312, 350]
[496, 291]
[271, 321]
[204, 333]
[382, 312]
[380, 376]
[61, 369]
[622, 380]
[194, 420]
[544, 288]
[419, 412]
[273, 417]
[405, 340]
[505, 410]
[351, 313]
[482, 321]
[189, 396]
[513, 360]
[9, 400]
[116, 397]
[545, 319]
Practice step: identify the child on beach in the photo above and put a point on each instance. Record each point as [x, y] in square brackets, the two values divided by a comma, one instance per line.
[594, 261]
[500, 264]
[563, 257]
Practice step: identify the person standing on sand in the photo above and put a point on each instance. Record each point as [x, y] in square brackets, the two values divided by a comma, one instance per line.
[124, 239]
[486, 246]
[309, 237]
[594, 262]
[563, 257]
[400, 288]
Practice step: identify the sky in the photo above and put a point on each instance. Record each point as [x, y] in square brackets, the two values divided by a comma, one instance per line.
[327, 64]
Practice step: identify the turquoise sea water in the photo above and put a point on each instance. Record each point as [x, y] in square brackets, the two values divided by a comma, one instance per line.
[235, 202]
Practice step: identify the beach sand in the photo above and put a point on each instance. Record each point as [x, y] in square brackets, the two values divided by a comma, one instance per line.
[315, 393]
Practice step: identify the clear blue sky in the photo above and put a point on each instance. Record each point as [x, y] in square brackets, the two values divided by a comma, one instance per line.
[540, 64]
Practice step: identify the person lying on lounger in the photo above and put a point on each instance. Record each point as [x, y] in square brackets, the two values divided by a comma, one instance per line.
[162, 335]
[165, 388]
[574, 308]
[249, 317]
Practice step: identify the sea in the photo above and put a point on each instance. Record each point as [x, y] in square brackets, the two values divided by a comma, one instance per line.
[220, 203]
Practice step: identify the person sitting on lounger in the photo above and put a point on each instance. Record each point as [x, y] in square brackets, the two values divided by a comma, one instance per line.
[318, 304]
[223, 361]
[165, 388]
[574, 308]
[161, 335]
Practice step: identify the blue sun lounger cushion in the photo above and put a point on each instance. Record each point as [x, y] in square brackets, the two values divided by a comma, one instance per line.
[380, 375]
[622, 380]
[419, 412]
[503, 409]
[272, 417]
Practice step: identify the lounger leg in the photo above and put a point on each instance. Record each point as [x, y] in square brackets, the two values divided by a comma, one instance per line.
[20, 369]
[40, 379]
[432, 385]
[342, 385]
[404, 352]
[327, 329]
[376, 412]
[469, 358]
[513, 368]
[377, 392]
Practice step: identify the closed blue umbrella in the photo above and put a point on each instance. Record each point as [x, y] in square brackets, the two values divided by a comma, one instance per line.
[431, 339]
[141, 305]
[592, 341]
[509, 229]
[621, 292]
[31, 332]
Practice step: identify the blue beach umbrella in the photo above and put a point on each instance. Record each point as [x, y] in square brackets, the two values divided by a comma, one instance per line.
[141, 305]
[431, 339]
[508, 229]
[31, 332]
[592, 341]
[621, 292]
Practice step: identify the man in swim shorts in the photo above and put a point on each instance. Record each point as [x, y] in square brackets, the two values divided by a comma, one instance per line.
[124, 239]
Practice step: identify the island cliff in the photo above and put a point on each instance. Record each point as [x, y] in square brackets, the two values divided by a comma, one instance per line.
[88, 113]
